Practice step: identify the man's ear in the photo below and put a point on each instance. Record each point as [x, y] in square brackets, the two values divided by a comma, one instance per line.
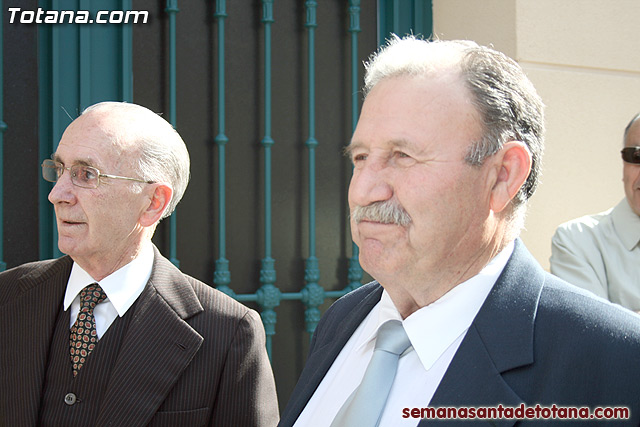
[158, 201]
[514, 161]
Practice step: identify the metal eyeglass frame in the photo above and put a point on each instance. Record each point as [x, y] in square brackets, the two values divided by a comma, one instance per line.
[52, 164]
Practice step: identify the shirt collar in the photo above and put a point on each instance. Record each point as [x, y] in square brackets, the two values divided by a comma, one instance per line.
[122, 286]
[627, 224]
[432, 329]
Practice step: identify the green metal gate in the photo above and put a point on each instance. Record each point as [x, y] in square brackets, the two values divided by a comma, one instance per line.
[79, 65]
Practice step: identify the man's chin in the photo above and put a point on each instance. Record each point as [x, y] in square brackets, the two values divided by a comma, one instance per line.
[376, 260]
[67, 245]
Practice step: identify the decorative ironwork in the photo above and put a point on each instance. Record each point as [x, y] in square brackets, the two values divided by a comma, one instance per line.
[268, 296]
[355, 271]
[222, 275]
[172, 10]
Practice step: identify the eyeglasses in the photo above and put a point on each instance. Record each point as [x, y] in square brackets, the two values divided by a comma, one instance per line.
[81, 176]
[631, 154]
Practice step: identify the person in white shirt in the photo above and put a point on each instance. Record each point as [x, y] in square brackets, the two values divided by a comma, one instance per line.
[446, 154]
[601, 252]
[113, 333]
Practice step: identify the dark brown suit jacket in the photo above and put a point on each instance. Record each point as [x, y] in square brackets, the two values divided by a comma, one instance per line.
[191, 355]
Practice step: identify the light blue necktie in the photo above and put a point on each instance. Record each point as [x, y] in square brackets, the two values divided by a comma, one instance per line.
[365, 405]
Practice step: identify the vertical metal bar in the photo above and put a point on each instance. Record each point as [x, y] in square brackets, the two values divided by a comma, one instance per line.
[45, 232]
[127, 57]
[355, 271]
[84, 59]
[312, 294]
[56, 108]
[222, 275]
[382, 17]
[423, 17]
[268, 294]
[172, 10]
[3, 128]
[396, 17]
[416, 17]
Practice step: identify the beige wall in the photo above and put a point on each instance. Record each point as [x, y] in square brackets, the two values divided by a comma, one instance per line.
[582, 56]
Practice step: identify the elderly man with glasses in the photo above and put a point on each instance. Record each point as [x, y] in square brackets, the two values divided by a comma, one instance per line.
[601, 253]
[113, 333]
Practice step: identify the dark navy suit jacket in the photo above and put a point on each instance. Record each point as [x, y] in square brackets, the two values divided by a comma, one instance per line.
[536, 340]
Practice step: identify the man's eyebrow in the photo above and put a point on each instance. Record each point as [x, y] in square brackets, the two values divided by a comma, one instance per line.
[81, 162]
[401, 143]
[349, 148]
[84, 163]
[395, 143]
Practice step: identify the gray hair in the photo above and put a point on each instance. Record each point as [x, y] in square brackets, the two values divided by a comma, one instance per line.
[507, 102]
[626, 130]
[163, 155]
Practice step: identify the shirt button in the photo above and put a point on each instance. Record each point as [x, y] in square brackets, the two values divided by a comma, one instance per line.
[70, 399]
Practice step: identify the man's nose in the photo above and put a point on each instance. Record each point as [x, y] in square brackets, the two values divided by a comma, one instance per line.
[371, 182]
[63, 190]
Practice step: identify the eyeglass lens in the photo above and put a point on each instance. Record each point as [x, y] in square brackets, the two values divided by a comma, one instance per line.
[82, 176]
[631, 154]
[49, 171]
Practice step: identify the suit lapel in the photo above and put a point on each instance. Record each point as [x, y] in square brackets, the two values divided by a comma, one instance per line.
[499, 339]
[473, 380]
[322, 357]
[28, 325]
[158, 346]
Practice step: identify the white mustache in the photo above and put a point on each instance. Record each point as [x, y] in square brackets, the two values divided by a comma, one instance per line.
[386, 212]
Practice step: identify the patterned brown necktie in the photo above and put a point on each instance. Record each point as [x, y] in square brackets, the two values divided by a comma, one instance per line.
[83, 332]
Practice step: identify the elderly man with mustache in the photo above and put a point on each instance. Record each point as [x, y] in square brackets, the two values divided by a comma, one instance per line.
[446, 154]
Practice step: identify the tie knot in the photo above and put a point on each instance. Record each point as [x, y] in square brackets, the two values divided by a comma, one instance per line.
[392, 338]
[91, 296]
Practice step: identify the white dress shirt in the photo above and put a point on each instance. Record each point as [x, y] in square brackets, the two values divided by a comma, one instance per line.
[435, 332]
[601, 253]
[122, 287]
